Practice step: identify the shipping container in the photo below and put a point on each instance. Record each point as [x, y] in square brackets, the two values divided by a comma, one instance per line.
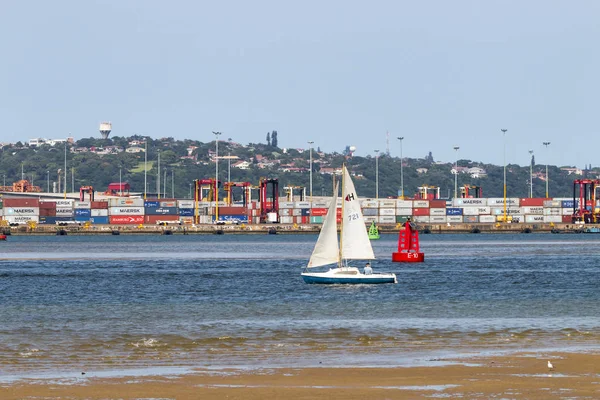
[302, 204]
[553, 219]
[552, 211]
[509, 211]
[552, 203]
[226, 210]
[404, 211]
[125, 202]
[321, 204]
[82, 204]
[569, 203]
[81, 219]
[370, 212]
[421, 219]
[532, 210]
[467, 202]
[470, 219]
[487, 219]
[296, 212]
[48, 205]
[387, 203]
[565, 211]
[168, 204]
[285, 212]
[65, 203]
[437, 211]
[387, 211]
[100, 220]
[47, 220]
[126, 211]
[470, 210]
[185, 204]
[48, 212]
[186, 220]
[99, 205]
[305, 212]
[152, 203]
[400, 219]
[438, 219]
[13, 211]
[286, 220]
[286, 204]
[83, 212]
[64, 212]
[387, 219]
[126, 219]
[20, 202]
[484, 211]
[186, 212]
[534, 219]
[318, 212]
[454, 211]
[567, 219]
[532, 202]
[437, 204]
[316, 219]
[420, 212]
[499, 201]
[370, 219]
[369, 204]
[454, 219]
[404, 204]
[99, 212]
[157, 219]
[21, 219]
[420, 204]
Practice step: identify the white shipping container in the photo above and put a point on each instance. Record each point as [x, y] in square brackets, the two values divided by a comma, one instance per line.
[338, 203]
[370, 212]
[532, 210]
[421, 219]
[387, 203]
[438, 219]
[81, 204]
[286, 204]
[387, 219]
[404, 211]
[534, 219]
[126, 211]
[487, 219]
[552, 211]
[552, 218]
[553, 203]
[567, 211]
[99, 212]
[321, 204]
[207, 204]
[499, 201]
[64, 212]
[302, 204]
[186, 220]
[64, 203]
[1, 212]
[370, 219]
[186, 204]
[286, 220]
[437, 211]
[454, 219]
[387, 211]
[297, 212]
[369, 204]
[285, 212]
[10, 211]
[404, 203]
[221, 204]
[21, 219]
[509, 211]
[420, 203]
[470, 210]
[205, 219]
[467, 202]
[125, 202]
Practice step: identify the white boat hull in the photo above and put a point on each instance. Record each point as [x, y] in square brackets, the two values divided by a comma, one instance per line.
[349, 275]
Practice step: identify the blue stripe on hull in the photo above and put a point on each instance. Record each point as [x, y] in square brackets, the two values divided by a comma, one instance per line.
[332, 281]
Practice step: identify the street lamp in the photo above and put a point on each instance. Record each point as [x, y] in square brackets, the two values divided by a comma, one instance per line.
[531, 174]
[547, 178]
[217, 134]
[504, 159]
[377, 174]
[401, 172]
[456, 148]
[310, 143]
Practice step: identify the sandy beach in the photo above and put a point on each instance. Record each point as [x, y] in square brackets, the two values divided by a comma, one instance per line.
[517, 376]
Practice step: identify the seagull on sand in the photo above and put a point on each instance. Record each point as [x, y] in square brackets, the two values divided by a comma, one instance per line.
[550, 366]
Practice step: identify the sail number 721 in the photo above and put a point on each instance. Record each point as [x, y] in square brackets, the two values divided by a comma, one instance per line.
[353, 216]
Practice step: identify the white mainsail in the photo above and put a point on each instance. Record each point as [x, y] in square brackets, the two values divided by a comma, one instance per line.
[327, 249]
[355, 240]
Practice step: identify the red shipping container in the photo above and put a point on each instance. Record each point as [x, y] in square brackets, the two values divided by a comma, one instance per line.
[567, 219]
[153, 219]
[231, 211]
[47, 205]
[127, 219]
[305, 220]
[99, 205]
[318, 212]
[21, 202]
[47, 212]
[437, 203]
[532, 202]
[420, 211]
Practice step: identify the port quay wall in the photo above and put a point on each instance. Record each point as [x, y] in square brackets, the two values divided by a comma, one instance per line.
[137, 214]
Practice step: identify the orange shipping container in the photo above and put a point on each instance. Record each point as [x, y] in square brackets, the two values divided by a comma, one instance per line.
[99, 205]
[154, 219]
[437, 203]
[420, 212]
[532, 202]
[21, 202]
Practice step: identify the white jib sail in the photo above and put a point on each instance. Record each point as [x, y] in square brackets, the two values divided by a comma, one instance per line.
[355, 239]
[326, 249]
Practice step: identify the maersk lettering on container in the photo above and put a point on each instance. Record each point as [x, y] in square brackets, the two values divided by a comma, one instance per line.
[21, 211]
[64, 203]
[532, 210]
[499, 201]
[532, 219]
[126, 211]
[467, 202]
[509, 211]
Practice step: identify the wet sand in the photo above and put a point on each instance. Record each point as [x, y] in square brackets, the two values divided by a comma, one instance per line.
[516, 376]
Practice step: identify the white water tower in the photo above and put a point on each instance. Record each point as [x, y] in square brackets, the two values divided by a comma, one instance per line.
[105, 128]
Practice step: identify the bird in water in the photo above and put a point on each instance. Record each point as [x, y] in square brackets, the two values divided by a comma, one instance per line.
[550, 366]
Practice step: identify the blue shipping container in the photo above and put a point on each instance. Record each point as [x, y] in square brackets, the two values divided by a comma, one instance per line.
[54, 220]
[99, 220]
[186, 212]
[151, 204]
[305, 212]
[569, 203]
[233, 219]
[454, 211]
[161, 211]
[83, 212]
[82, 219]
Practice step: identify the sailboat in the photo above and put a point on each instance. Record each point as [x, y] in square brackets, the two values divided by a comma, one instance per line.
[373, 232]
[353, 243]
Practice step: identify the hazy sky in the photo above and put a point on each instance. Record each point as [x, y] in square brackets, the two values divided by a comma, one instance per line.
[439, 73]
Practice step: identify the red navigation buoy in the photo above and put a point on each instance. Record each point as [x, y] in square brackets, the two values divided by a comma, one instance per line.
[408, 245]
[2, 236]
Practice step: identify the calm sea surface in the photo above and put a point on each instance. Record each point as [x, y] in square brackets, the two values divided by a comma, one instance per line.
[118, 302]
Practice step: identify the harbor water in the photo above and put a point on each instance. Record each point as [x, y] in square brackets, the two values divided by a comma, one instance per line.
[129, 302]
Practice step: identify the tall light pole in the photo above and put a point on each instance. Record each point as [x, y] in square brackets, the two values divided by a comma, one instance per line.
[190, 195]
[158, 176]
[531, 174]
[377, 174]
[165, 182]
[217, 134]
[47, 181]
[310, 143]
[65, 177]
[172, 183]
[456, 148]
[401, 171]
[547, 177]
[504, 159]
[145, 167]
[229, 166]
[120, 184]
[23, 175]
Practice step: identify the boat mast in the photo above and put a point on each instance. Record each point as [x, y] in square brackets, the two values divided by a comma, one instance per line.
[340, 261]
